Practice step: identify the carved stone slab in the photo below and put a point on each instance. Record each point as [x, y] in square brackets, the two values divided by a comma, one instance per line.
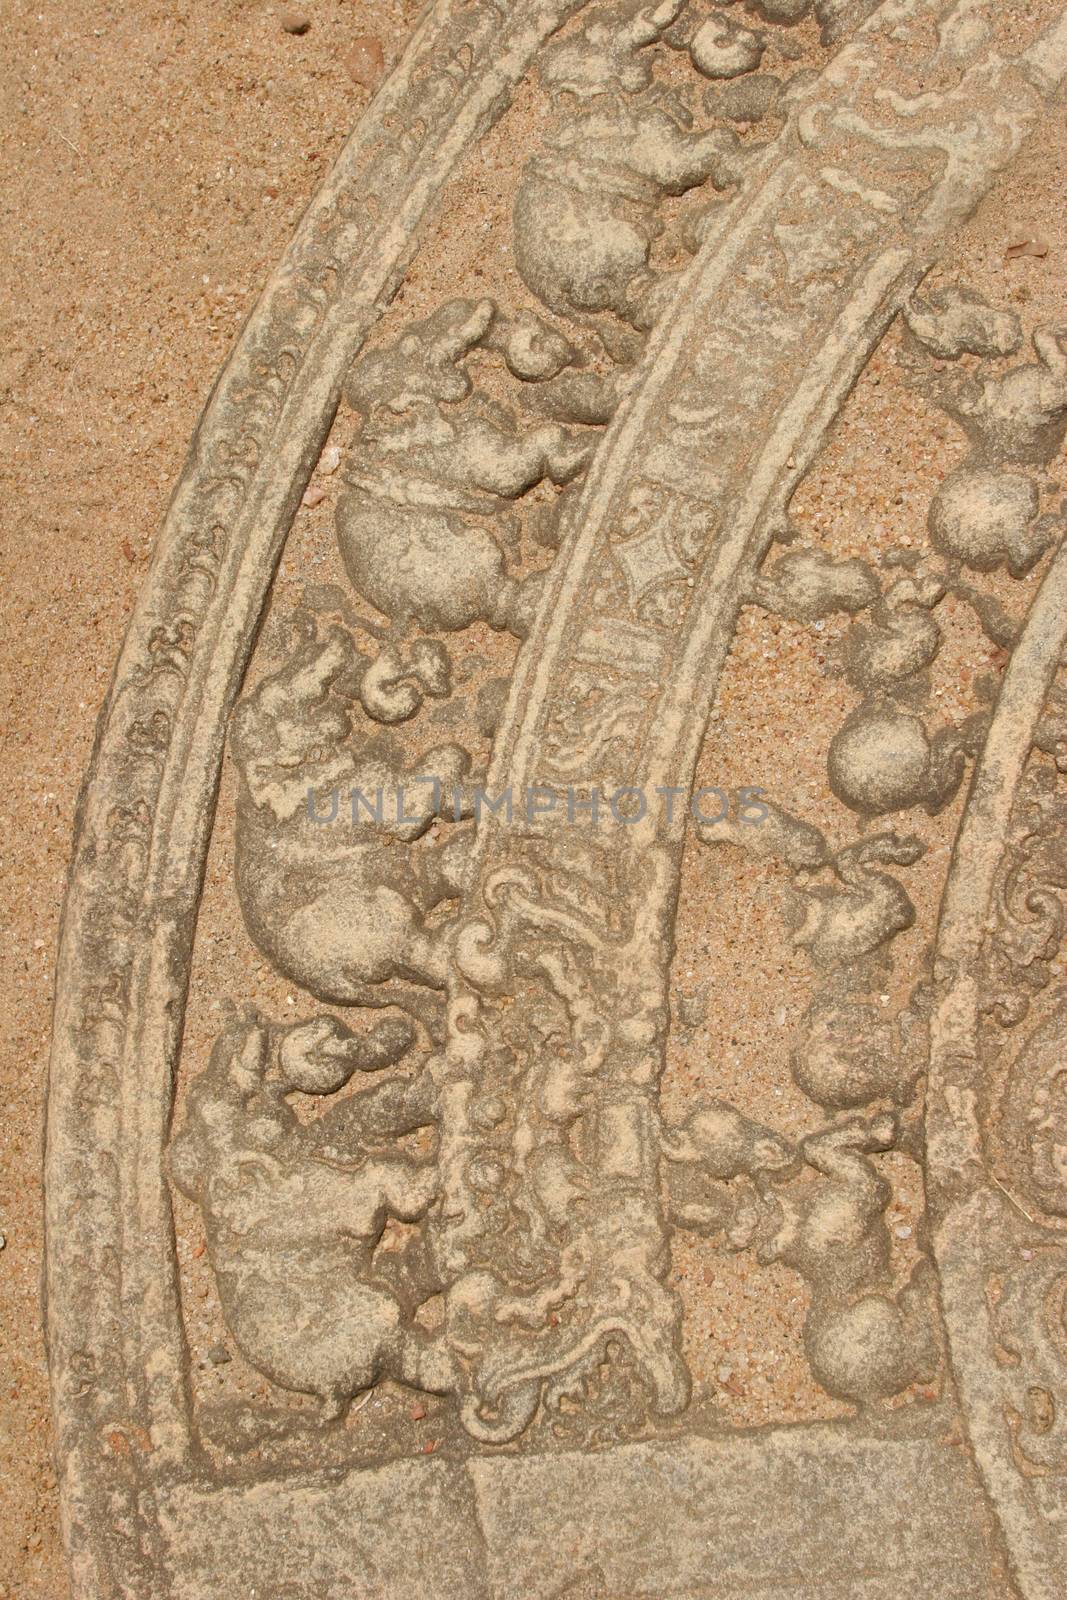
[460, 789]
[995, 1135]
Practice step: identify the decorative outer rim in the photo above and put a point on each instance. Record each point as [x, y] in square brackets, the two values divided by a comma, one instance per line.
[962, 1195]
[146, 808]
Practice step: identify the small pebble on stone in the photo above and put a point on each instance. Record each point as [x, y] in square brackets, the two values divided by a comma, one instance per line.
[313, 495]
[1027, 246]
[365, 61]
[218, 1355]
[297, 22]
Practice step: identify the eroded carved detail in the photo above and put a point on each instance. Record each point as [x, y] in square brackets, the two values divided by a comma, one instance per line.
[293, 1210]
[545, 1226]
[420, 526]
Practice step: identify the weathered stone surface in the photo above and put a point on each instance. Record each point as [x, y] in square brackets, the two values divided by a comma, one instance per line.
[995, 1145]
[808, 1511]
[406, 1528]
[456, 1177]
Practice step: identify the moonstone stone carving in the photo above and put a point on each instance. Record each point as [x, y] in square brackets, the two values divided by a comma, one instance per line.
[436, 1165]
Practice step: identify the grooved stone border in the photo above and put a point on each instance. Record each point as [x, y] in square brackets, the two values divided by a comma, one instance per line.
[965, 1198]
[147, 805]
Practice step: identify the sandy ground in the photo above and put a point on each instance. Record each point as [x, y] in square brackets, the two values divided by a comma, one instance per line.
[155, 161]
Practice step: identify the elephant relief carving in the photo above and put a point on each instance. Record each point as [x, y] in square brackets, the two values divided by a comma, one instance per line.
[587, 210]
[436, 469]
[328, 889]
[818, 1208]
[863, 1343]
[293, 1210]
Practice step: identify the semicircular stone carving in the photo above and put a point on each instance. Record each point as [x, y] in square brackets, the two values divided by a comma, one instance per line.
[401, 1133]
